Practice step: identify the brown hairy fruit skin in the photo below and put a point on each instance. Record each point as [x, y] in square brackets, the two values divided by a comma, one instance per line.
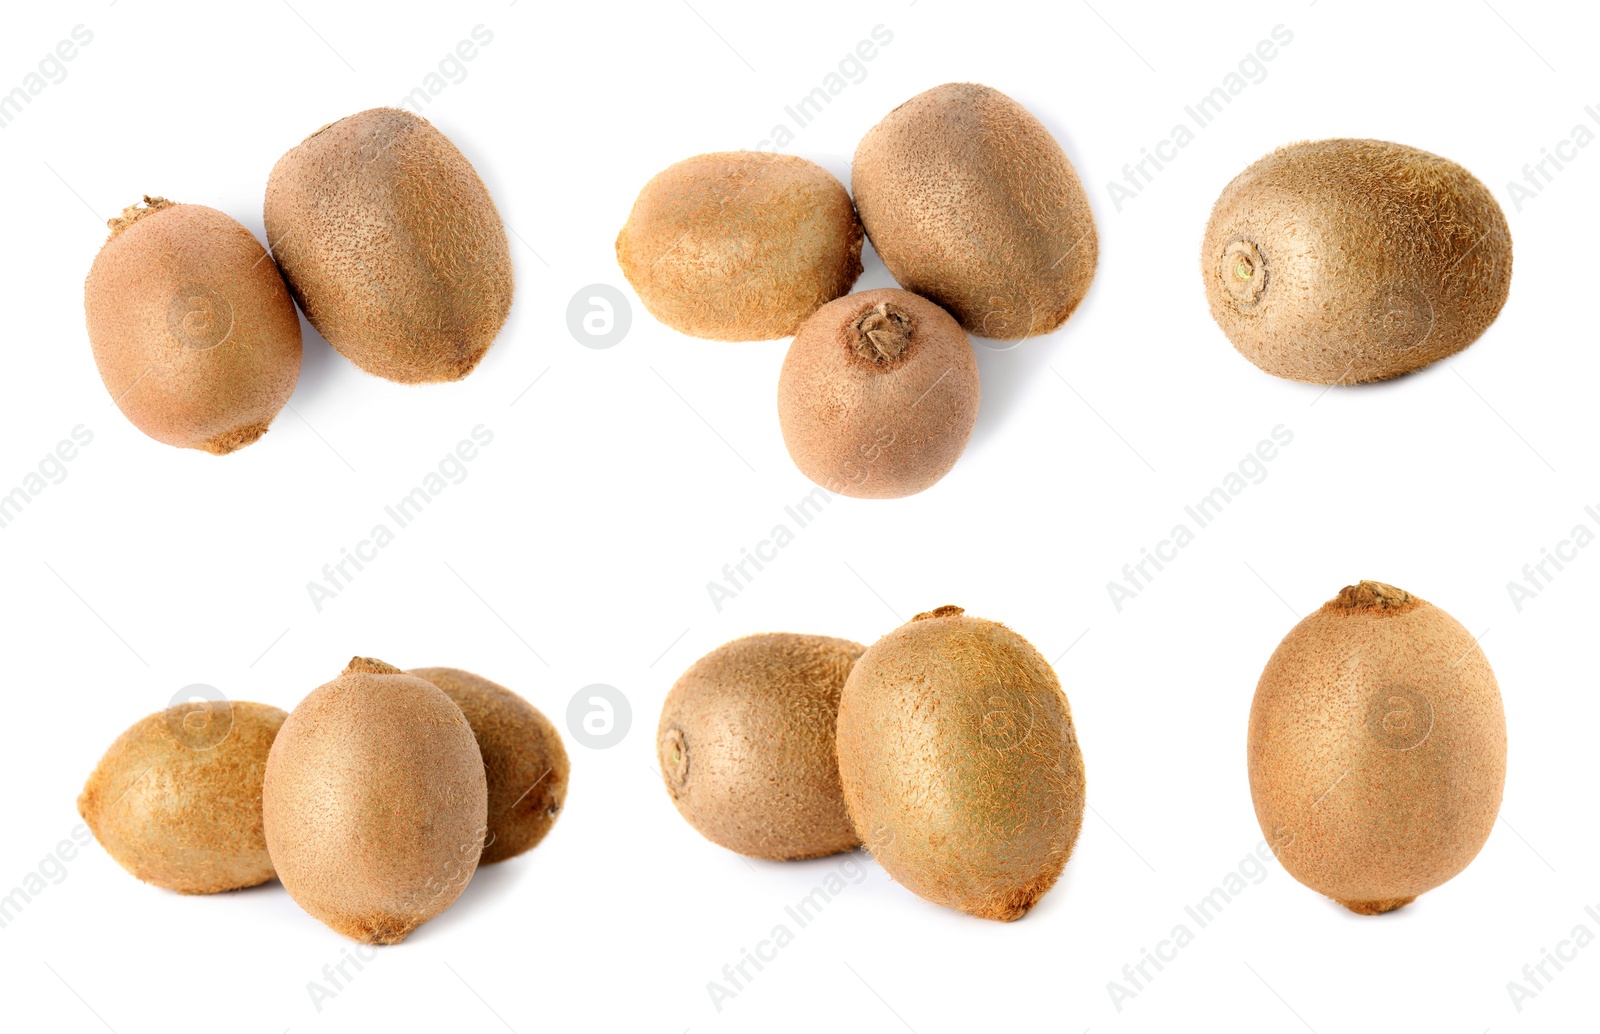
[740, 245]
[971, 203]
[176, 800]
[376, 803]
[193, 331]
[1346, 261]
[524, 762]
[1377, 748]
[392, 246]
[746, 742]
[878, 395]
[960, 763]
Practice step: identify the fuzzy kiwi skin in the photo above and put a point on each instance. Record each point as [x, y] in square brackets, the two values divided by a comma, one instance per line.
[375, 802]
[878, 395]
[960, 764]
[740, 245]
[392, 246]
[523, 760]
[971, 203]
[1377, 748]
[176, 800]
[746, 745]
[1346, 261]
[193, 331]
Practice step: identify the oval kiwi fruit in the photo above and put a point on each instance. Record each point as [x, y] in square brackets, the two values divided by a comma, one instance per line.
[375, 802]
[746, 744]
[1377, 748]
[960, 764]
[1344, 261]
[971, 203]
[392, 246]
[740, 245]
[524, 762]
[878, 394]
[176, 800]
[192, 330]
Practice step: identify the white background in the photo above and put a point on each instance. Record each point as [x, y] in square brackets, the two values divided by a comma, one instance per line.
[578, 548]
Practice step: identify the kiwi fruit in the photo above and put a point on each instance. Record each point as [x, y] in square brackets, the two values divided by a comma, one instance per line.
[176, 800]
[971, 203]
[392, 246]
[740, 245]
[192, 329]
[1345, 261]
[524, 762]
[1377, 748]
[375, 802]
[878, 394]
[746, 740]
[960, 765]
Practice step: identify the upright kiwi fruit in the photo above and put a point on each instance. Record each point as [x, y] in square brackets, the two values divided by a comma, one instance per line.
[1343, 261]
[1377, 748]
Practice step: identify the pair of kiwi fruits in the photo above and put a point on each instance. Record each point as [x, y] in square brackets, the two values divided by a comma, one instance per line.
[946, 749]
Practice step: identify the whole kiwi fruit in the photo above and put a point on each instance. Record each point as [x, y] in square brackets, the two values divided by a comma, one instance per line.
[960, 764]
[523, 760]
[1344, 261]
[971, 203]
[192, 329]
[375, 802]
[740, 245]
[392, 245]
[878, 394]
[1377, 748]
[176, 800]
[746, 743]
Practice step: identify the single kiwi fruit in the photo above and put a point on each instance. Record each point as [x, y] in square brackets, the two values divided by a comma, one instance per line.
[970, 202]
[375, 802]
[1345, 261]
[960, 764]
[392, 246]
[176, 800]
[192, 329]
[746, 740]
[878, 394]
[1377, 748]
[523, 760]
[740, 245]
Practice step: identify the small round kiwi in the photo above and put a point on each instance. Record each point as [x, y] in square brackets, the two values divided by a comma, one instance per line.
[523, 760]
[960, 764]
[878, 394]
[375, 802]
[740, 245]
[192, 329]
[1377, 748]
[746, 740]
[392, 246]
[176, 800]
[971, 203]
[1345, 261]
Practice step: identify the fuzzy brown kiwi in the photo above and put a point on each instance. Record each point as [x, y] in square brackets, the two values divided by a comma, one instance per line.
[192, 329]
[1344, 261]
[523, 760]
[392, 246]
[960, 764]
[878, 394]
[971, 203]
[740, 245]
[375, 802]
[176, 800]
[1377, 748]
[746, 741]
